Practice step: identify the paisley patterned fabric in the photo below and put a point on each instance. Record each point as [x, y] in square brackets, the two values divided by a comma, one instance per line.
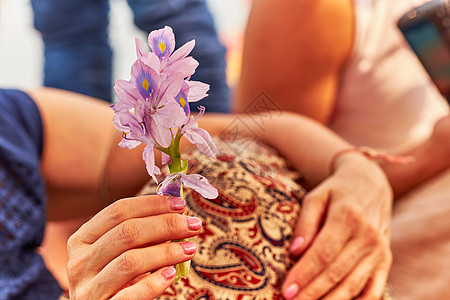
[242, 250]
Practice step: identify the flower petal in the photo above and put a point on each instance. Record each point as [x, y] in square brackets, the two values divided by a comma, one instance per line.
[185, 66]
[149, 158]
[200, 184]
[183, 51]
[165, 159]
[127, 122]
[197, 90]
[170, 86]
[141, 50]
[203, 140]
[162, 42]
[151, 60]
[127, 95]
[170, 116]
[145, 79]
[129, 144]
[170, 186]
[162, 134]
[181, 99]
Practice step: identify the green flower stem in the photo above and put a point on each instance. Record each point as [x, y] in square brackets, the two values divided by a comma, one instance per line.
[182, 268]
[174, 153]
[177, 166]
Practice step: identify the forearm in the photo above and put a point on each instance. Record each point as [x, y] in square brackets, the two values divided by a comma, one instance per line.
[426, 164]
[306, 143]
[83, 167]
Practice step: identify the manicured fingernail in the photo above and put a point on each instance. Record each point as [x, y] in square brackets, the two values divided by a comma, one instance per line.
[291, 291]
[194, 223]
[189, 247]
[177, 203]
[169, 273]
[296, 244]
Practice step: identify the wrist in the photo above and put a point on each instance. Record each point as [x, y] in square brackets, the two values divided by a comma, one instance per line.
[362, 171]
[370, 154]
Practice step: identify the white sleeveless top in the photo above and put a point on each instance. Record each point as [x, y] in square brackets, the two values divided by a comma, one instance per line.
[386, 99]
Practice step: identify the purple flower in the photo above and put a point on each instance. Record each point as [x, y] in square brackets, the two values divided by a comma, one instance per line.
[199, 136]
[146, 110]
[155, 102]
[149, 102]
[162, 45]
[171, 185]
[191, 91]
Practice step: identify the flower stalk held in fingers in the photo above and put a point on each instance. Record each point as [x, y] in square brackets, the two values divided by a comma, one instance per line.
[153, 108]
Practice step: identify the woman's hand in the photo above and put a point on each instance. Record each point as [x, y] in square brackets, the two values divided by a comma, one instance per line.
[343, 235]
[123, 253]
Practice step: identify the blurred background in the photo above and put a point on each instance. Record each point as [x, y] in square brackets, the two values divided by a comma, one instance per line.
[21, 47]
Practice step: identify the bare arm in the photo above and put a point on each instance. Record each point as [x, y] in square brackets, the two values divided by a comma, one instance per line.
[353, 203]
[79, 138]
[431, 158]
[81, 154]
[294, 51]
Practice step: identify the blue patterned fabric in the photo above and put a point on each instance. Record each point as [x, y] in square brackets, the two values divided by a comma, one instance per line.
[78, 55]
[23, 274]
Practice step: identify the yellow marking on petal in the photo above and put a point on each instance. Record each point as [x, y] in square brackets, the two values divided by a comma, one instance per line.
[145, 84]
[162, 47]
[182, 102]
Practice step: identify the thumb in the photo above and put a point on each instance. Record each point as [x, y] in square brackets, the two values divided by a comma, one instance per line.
[311, 218]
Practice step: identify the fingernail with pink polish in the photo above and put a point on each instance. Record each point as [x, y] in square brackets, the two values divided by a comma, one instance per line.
[296, 244]
[291, 291]
[189, 247]
[194, 223]
[177, 203]
[169, 273]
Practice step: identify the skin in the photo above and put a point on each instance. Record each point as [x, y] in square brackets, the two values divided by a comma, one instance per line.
[115, 256]
[333, 259]
[350, 207]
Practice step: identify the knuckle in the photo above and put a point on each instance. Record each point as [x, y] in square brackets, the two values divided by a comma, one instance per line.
[150, 290]
[172, 223]
[354, 287]
[372, 236]
[334, 274]
[325, 255]
[83, 294]
[169, 252]
[73, 243]
[127, 262]
[127, 232]
[117, 211]
[352, 215]
[75, 269]
[310, 293]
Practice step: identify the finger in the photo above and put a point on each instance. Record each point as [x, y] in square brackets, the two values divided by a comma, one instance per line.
[355, 282]
[313, 211]
[377, 284]
[121, 210]
[324, 250]
[131, 264]
[141, 232]
[149, 287]
[334, 273]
